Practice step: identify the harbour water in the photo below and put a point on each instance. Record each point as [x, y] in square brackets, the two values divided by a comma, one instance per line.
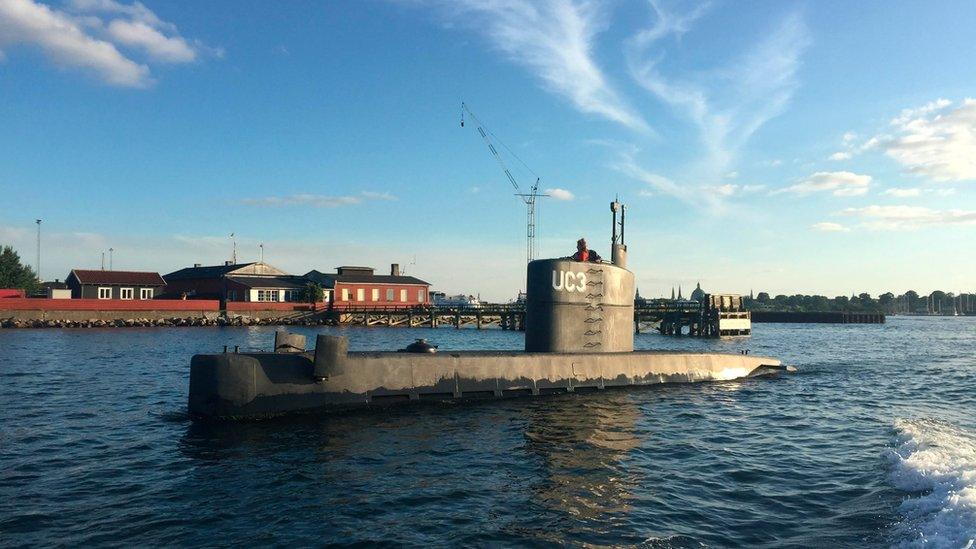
[871, 443]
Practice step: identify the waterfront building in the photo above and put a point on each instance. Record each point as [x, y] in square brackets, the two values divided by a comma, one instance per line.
[231, 281]
[97, 284]
[360, 287]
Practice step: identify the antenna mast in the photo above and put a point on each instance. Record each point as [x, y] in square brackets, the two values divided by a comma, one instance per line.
[528, 198]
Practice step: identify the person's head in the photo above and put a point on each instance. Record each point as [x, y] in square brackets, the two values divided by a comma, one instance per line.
[581, 244]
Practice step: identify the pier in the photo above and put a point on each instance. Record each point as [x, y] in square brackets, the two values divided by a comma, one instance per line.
[506, 317]
[826, 317]
[714, 316]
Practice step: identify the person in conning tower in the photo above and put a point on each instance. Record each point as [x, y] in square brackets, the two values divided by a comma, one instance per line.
[585, 254]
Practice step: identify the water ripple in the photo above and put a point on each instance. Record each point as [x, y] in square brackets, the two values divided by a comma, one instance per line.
[97, 449]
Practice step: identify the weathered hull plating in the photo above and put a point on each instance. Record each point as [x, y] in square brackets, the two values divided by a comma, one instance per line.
[232, 385]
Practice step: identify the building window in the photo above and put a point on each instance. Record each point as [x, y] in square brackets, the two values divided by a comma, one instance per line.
[420, 296]
[376, 294]
[105, 293]
[360, 294]
[403, 295]
[389, 294]
[145, 293]
[267, 295]
[293, 295]
[231, 295]
[345, 294]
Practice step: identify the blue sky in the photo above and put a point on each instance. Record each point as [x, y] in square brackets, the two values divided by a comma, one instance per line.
[823, 147]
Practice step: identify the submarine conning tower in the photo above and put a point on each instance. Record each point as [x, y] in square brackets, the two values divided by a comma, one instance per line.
[582, 307]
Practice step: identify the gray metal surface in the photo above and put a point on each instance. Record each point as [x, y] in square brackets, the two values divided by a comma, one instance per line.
[231, 385]
[576, 307]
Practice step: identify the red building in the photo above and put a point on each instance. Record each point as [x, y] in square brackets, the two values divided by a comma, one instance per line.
[359, 288]
[91, 284]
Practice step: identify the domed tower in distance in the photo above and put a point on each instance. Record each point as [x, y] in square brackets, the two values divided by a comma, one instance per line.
[699, 294]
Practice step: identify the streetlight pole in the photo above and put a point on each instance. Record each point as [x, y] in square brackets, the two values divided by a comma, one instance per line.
[37, 265]
[111, 255]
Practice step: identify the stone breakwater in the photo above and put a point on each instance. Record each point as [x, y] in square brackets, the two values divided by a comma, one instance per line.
[14, 323]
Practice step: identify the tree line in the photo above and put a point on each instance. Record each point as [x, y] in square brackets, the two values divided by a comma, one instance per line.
[910, 302]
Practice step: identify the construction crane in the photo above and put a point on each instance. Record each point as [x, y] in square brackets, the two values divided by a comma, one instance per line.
[529, 197]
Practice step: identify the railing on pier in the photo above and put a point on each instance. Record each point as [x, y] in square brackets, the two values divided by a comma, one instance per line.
[506, 317]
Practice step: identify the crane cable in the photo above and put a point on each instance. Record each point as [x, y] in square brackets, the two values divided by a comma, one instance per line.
[489, 137]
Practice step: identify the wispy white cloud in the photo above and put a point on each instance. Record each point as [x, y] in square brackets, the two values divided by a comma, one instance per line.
[936, 141]
[627, 165]
[732, 189]
[918, 191]
[78, 37]
[829, 227]
[135, 11]
[908, 115]
[66, 44]
[841, 155]
[729, 104]
[317, 200]
[169, 49]
[560, 194]
[373, 195]
[908, 217]
[837, 183]
[903, 193]
[554, 39]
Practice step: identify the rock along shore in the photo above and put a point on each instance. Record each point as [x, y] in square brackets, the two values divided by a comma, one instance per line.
[16, 323]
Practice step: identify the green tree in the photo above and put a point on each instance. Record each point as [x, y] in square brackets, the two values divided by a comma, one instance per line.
[911, 298]
[886, 300]
[313, 292]
[762, 297]
[867, 302]
[14, 274]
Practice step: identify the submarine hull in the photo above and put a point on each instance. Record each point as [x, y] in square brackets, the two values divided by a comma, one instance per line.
[255, 385]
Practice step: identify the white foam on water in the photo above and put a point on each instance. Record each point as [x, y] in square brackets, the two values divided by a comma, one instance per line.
[936, 462]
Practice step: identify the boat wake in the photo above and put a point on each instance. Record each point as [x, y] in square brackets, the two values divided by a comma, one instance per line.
[936, 463]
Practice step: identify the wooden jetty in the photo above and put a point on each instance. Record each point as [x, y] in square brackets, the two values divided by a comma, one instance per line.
[719, 315]
[506, 317]
[825, 317]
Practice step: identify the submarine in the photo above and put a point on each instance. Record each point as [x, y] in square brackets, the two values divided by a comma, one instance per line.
[579, 337]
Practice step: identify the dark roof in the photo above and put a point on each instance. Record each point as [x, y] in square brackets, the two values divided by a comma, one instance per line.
[329, 279]
[213, 271]
[284, 282]
[136, 278]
